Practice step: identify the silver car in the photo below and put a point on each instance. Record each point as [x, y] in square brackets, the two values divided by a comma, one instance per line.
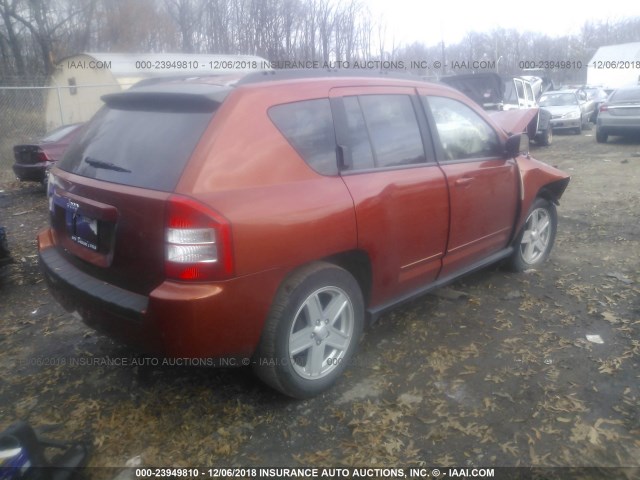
[620, 114]
[569, 109]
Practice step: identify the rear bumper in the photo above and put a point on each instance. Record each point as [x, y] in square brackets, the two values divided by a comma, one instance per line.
[618, 126]
[213, 320]
[620, 130]
[30, 173]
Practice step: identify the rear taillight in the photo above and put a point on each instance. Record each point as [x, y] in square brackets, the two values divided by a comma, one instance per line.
[41, 156]
[198, 242]
[604, 108]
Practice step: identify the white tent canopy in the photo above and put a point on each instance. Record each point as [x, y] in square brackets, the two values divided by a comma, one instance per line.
[615, 66]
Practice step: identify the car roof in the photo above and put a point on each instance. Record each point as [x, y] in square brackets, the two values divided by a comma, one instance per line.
[197, 84]
[629, 87]
[215, 88]
[567, 90]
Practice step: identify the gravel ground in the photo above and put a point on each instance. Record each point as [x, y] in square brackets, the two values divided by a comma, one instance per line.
[499, 369]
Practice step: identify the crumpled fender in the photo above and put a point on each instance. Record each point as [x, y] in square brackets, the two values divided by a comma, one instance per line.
[516, 121]
[537, 179]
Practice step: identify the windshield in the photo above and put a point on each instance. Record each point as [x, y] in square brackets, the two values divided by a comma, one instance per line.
[558, 100]
[596, 94]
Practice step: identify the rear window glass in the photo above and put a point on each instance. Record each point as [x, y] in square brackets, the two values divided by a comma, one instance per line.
[308, 126]
[146, 148]
[626, 95]
[59, 133]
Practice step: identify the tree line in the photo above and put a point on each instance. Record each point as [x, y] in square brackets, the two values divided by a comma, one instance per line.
[35, 34]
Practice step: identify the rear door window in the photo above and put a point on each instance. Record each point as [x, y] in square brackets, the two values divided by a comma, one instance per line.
[360, 146]
[146, 144]
[510, 95]
[383, 131]
[308, 126]
[529, 93]
[393, 130]
[520, 89]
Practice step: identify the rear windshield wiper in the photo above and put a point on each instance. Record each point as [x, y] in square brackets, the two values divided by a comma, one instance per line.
[105, 165]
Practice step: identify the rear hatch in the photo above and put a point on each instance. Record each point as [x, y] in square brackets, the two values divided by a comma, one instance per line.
[109, 193]
[486, 89]
[623, 106]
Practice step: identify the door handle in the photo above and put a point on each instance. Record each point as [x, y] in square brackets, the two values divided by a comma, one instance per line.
[463, 182]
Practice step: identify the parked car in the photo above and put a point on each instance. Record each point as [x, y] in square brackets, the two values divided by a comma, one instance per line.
[263, 219]
[590, 96]
[540, 79]
[598, 96]
[620, 114]
[496, 93]
[569, 109]
[33, 160]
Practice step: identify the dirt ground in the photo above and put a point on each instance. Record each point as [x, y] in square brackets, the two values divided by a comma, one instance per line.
[496, 370]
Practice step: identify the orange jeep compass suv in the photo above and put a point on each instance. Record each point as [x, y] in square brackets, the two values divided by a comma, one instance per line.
[266, 216]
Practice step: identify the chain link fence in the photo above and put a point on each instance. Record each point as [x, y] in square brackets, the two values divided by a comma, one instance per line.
[24, 116]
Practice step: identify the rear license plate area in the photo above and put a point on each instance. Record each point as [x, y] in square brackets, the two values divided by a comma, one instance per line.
[84, 230]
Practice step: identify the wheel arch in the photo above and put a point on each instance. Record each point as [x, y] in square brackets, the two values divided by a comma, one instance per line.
[537, 179]
[358, 264]
[553, 190]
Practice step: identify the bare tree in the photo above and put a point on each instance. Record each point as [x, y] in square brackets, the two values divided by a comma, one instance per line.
[10, 39]
[185, 14]
[34, 34]
[136, 26]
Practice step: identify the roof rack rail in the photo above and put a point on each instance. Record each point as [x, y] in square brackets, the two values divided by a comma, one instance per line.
[302, 73]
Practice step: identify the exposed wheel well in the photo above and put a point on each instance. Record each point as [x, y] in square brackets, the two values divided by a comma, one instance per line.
[553, 191]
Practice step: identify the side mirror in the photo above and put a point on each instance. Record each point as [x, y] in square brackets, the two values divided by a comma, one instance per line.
[517, 144]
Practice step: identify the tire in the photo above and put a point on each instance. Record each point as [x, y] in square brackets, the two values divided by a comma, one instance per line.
[535, 241]
[578, 130]
[547, 137]
[601, 137]
[312, 331]
[45, 180]
[5, 256]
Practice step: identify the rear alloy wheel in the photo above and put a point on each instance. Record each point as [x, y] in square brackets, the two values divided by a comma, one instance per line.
[533, 245]
[312, 331]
